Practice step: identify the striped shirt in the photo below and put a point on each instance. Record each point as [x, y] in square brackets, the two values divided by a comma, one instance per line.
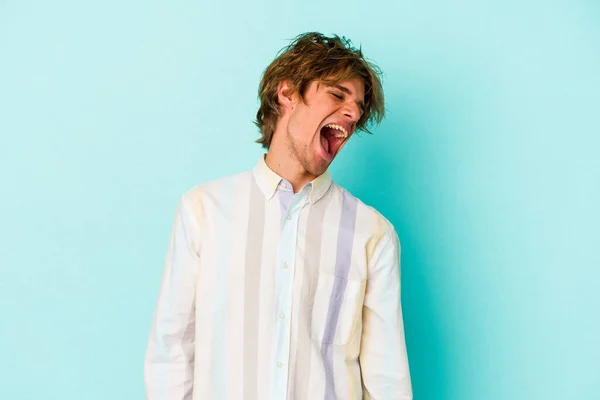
[271, 295]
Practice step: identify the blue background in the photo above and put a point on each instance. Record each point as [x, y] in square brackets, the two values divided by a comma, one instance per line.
[487, 164]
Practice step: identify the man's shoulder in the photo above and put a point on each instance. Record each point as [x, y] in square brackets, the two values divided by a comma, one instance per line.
[376, 230]
[218, 186]
[380, 223]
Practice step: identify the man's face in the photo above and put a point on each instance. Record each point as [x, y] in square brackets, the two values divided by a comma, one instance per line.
[319, 128]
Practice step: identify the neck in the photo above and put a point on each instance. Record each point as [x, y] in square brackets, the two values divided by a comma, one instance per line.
[288, 167]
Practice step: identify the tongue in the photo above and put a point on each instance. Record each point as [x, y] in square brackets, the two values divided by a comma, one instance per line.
[325, 143]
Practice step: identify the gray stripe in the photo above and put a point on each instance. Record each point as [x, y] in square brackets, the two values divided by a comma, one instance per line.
[342, 266]
[314, 228]
[256, 222]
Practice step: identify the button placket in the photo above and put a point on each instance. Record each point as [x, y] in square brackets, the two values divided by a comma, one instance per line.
[283, 292]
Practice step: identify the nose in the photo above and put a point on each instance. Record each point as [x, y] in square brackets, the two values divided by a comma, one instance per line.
[352, 111]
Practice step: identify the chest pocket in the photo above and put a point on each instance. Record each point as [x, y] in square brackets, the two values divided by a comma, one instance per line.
[337, 309]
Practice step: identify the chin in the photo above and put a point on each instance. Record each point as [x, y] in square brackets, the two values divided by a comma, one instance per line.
[319, 172]
[319, 167]
[315, 164]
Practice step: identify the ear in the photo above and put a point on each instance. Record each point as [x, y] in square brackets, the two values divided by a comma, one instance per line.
[287, 96]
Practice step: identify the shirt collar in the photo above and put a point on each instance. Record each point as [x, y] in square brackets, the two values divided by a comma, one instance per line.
[268, 181]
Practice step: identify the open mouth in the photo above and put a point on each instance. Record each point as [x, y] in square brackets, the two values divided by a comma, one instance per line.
[332, 137]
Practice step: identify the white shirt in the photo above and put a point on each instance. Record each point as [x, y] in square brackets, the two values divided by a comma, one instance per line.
[272, 296]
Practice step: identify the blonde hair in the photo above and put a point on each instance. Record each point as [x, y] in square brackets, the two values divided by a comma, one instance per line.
[313, 56]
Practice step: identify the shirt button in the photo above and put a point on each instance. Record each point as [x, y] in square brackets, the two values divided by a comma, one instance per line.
[285, 266]
[281, 315]
[284, 185]
[289, 217]
[279, 365]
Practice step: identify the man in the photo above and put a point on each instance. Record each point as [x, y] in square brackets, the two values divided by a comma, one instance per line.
[279, 284]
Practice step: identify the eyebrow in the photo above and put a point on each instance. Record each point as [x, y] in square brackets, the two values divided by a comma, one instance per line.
[344, 89]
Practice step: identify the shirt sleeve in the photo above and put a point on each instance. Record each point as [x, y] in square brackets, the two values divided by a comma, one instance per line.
[383, 357]
[169, 361]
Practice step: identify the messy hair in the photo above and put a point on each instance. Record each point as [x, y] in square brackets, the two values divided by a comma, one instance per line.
[330, 60]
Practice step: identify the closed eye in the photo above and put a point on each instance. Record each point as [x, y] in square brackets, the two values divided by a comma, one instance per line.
[337, 95]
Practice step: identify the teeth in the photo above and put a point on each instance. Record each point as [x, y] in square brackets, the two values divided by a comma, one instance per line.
[342, 134]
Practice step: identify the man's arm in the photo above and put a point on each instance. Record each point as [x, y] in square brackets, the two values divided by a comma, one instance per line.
[169, 362]
[383, 358]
